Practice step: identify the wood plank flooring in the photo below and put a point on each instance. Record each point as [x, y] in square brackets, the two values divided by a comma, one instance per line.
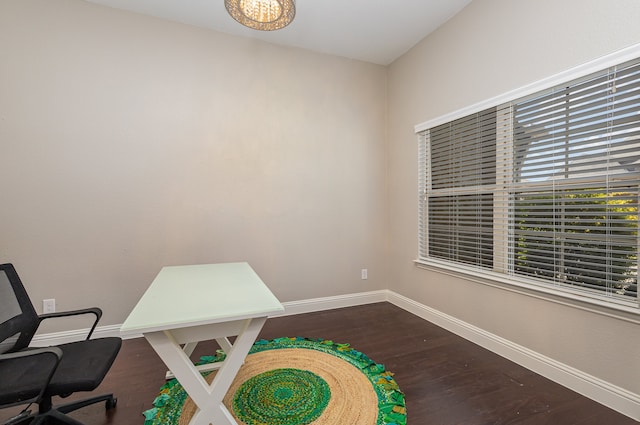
[446, 379]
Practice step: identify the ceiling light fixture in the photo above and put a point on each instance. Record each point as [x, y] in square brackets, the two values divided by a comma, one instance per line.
[263, 15]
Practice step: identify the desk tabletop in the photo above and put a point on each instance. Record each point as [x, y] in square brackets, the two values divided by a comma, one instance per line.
[183, 296]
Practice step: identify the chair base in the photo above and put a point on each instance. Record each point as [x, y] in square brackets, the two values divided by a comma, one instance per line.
[58, 414]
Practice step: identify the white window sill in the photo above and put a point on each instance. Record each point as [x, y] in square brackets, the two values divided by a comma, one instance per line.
[615, 308]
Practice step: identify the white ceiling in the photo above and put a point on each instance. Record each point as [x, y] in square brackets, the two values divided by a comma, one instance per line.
[377, 31]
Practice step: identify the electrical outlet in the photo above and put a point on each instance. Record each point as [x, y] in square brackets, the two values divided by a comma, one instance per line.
[49, 306]
[364, 274]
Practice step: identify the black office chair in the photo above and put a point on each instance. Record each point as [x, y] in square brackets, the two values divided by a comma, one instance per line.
[35, 375]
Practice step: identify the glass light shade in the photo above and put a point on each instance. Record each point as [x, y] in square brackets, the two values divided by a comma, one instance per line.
[263, 15]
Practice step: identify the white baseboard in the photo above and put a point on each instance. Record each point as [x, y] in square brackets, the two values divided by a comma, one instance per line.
[55, 338]
[601, 391]
[290, 308]
[330, 303]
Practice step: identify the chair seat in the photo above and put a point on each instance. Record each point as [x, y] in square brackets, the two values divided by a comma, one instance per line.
[84, 364]
[21, 383]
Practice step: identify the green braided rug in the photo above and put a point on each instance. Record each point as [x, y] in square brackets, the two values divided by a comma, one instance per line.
[289, 396]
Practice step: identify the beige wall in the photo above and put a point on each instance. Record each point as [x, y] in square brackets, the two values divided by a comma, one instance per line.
[128, 143]
[490, 48]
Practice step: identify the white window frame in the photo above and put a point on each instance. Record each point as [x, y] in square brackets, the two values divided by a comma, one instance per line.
[627, 310]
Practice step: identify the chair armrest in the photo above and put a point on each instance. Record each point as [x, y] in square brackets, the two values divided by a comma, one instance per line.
[93, 310]
[32, 352]
[16, 360]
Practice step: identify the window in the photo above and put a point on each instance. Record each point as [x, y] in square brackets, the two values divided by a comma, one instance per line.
[543, 189]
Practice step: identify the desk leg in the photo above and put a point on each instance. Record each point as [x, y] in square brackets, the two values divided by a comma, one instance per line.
[207, 397]
[224, 344]
[189, 347]
[236, 355]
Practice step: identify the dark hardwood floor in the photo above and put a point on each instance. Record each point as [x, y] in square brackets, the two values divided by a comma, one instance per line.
[446, 379]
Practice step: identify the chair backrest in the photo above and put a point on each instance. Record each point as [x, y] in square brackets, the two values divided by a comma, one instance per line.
[18, 319]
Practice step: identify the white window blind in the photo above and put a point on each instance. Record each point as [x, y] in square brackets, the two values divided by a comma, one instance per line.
[461, 180]
[543, 188]
[576, 182]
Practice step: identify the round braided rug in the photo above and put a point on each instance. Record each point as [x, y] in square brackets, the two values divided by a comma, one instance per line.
[296, 381]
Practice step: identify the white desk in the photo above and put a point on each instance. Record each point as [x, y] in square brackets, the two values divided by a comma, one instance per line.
[187, 304]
